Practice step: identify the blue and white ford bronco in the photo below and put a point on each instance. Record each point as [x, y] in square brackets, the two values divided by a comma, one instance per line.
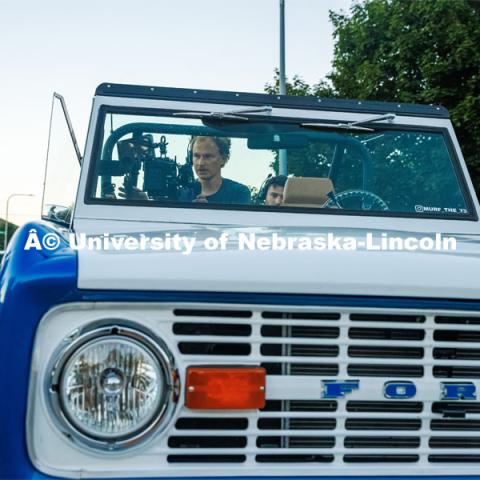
[169, 321]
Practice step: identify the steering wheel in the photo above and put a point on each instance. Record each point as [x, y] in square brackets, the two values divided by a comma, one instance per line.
[369, 200]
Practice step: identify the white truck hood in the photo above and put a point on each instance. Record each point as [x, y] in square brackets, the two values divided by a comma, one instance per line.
[434, 274]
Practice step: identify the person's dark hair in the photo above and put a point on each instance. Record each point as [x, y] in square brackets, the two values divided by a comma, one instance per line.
[223, 144]
[278, 181]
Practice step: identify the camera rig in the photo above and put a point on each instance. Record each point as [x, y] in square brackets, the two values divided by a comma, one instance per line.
[164, 179]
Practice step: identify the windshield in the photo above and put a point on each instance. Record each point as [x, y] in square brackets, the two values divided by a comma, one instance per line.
[164, 160]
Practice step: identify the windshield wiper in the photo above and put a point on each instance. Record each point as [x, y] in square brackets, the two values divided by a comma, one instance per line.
[352, 126]
[231, 115]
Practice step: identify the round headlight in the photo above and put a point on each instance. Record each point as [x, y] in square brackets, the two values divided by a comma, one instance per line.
[112, 386]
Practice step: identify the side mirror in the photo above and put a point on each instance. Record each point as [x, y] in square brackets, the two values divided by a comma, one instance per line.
[57, 213]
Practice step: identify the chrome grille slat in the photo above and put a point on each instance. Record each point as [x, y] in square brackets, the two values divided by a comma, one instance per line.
[322, 433]
[340, 415]
[347, 359]
[337, 449]
[305, 341]
[343, 415]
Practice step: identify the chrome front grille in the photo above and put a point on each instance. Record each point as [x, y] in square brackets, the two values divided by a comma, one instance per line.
[313, 345]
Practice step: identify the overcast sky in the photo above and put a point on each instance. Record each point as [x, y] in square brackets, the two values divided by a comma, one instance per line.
[71, 47]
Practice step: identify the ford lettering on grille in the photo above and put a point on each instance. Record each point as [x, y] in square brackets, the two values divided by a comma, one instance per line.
[401, 390]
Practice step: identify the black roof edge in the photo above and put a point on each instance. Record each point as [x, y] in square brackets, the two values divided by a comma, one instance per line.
[279, 101]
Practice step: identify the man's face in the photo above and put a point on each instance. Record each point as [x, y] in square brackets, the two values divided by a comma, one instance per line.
[207, 161]
[274, 195]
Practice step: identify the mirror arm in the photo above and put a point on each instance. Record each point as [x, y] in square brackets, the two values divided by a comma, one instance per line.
[69, 124]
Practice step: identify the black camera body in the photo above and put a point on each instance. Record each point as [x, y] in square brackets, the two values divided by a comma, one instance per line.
[161, 179]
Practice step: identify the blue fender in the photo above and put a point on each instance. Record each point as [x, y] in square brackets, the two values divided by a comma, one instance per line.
[31, 282]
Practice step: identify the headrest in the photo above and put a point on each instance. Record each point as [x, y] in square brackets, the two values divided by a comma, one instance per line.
[306, 191]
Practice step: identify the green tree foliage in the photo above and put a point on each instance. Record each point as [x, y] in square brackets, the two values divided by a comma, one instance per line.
[11, 230]
[315, 160]
[298, 86]
[414, 51]
[419, 51]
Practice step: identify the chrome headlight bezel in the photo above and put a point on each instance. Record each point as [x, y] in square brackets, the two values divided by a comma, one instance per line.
[107, 330]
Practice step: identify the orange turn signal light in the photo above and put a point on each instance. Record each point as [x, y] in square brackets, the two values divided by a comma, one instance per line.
[222, 388]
